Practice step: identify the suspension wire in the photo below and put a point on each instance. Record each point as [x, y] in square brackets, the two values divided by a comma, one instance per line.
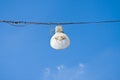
[55, 23]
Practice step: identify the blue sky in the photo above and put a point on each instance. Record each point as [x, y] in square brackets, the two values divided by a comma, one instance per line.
[25, 52]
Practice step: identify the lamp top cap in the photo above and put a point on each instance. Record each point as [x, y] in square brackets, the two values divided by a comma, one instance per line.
[59, 29]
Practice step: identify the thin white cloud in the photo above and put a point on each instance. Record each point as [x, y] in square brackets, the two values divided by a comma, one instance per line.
[47, 70]
[59, 68]
[46, 74]
[64, 73]
[81, 65]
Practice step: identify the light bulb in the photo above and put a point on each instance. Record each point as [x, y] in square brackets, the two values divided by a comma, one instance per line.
[59, 40]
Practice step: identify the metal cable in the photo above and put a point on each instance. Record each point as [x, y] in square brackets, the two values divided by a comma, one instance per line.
[56, 23]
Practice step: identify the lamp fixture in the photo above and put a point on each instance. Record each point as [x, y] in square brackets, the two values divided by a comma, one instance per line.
[59, 40]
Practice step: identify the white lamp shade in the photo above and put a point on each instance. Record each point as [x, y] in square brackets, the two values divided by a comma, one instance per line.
[59, 41]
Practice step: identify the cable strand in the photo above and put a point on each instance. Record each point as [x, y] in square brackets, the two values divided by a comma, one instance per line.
[56, 23]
